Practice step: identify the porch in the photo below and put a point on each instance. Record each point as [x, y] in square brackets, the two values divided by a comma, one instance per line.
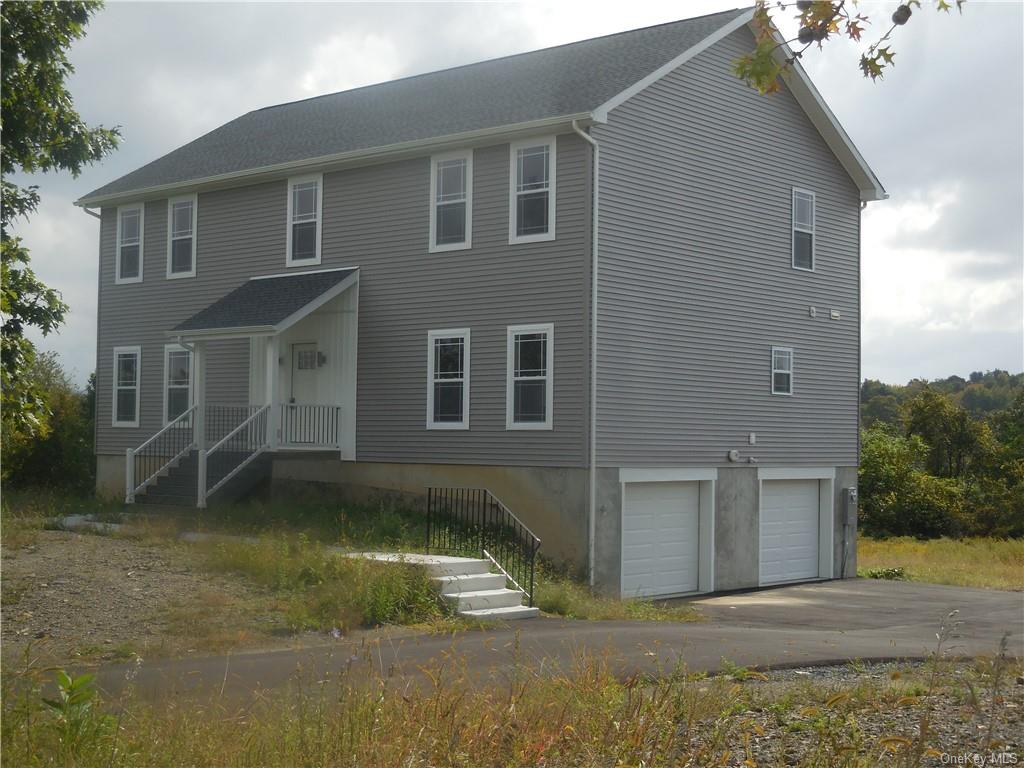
[302, 334]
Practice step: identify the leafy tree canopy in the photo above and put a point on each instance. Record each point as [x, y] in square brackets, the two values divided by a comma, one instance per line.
[39, 131]
[820, 20]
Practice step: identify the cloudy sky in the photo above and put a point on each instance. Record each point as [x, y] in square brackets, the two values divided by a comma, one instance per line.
[943, 275]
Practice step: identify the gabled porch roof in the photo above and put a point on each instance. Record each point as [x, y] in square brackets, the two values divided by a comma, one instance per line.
[266, 305]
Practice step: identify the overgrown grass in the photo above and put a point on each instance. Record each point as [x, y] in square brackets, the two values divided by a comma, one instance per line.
[587, 716]
[562, 595]
[322, 590]
[981, 562]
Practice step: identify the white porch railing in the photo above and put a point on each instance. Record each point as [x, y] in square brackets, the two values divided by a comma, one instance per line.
[232, 453]
[160, 452]
[310, 426]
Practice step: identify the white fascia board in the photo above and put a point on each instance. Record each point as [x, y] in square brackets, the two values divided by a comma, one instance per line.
[239, 332]
[796, 473]
[601, 113]
[318, 302]
[831, 130]
[665, 474]
[368, 156]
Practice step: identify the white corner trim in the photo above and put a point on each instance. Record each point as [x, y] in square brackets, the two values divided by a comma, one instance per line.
[467, 155]
[292, 181]
[513, 170]
[796, 473]
[130, 350]
[665, 475]
[464, 333]
[194, 199]
[601, 113]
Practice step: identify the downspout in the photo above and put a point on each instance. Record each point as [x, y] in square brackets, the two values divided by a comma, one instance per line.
[92, 213]
[592, 495]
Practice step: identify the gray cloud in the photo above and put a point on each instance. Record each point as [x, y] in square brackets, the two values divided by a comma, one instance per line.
[948, 117]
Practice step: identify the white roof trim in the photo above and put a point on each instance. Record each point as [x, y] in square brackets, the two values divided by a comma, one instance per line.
[601, 113]
[828, 126]
[331, 293]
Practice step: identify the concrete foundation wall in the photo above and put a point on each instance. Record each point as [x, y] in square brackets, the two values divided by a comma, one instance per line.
[551, 501]
[737, 529]
[110, 475]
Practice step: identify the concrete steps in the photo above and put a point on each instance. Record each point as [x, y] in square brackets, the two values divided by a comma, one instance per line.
[468, 585]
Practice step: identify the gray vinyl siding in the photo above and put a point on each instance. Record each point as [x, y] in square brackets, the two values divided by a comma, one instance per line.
[376, 218]
[696, 284]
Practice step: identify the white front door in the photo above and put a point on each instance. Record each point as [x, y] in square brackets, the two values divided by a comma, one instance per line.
[298, 426]
[789, 530]
[660, 538]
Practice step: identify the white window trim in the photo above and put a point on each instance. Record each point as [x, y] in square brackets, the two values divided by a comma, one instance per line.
[141, 207]
[444, 334]
[514, 147]
[194, 199]
[137, 351]
[168, 348]
[510, 362]
[794, 228]
[792, 377]
[466, 155]
[319, 179]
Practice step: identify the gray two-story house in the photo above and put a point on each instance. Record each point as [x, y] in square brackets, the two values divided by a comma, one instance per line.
[606, 281]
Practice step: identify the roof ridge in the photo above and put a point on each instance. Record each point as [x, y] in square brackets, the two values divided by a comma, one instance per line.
[734, 11]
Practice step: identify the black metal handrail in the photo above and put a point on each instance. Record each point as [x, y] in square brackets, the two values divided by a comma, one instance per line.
[314, 425]
[473, 522]
[222, 418]
[168, 446]
[232, 453]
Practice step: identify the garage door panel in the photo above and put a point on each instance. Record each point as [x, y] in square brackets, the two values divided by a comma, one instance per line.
[789, 530]
[660, 538]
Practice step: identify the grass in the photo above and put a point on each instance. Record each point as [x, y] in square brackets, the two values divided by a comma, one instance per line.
[562, 595]
[585, 716]
[982, 562]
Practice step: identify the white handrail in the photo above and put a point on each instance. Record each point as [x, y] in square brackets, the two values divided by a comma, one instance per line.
[236, 430]
[166, 427]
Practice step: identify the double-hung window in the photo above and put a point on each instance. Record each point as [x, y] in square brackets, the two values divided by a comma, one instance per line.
[448, 379]
[130, 230]
[305, 206]
[181, 237]
[532, 191]
[782, 370]
[451, 202]
[177, 381]
[529, 382]
[803, 229]
[126, 386]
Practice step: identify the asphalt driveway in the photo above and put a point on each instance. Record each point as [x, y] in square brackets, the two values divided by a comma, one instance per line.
[797, 625]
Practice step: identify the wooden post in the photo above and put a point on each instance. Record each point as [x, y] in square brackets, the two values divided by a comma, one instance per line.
[199, 385]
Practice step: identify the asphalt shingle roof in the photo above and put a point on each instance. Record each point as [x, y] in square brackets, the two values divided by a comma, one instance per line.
[564, 80]
[264, 301]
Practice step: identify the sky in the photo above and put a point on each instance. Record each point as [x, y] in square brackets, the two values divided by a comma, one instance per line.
[943, 258]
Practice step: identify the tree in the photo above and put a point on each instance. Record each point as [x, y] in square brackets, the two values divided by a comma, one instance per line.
[62, 457]
[819, 21]
[958, 445]
[40, 131]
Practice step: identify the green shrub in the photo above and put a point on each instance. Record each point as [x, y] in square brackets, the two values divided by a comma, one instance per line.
[888, 574]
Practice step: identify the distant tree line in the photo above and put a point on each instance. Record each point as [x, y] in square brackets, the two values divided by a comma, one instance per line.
[943, 457]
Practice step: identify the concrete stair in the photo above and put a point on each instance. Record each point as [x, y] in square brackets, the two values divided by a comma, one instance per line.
[468, 585]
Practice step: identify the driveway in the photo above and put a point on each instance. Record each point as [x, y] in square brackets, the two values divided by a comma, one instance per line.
[799, 625]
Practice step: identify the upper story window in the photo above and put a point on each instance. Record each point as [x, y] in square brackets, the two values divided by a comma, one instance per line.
[803, 229]
[532, 192]
[528, 394]
[126, 386]
[451, 201]
[181, 236]
[130, 230]
[448, 379]
[782, 371]
[177, 381]
[305, 206]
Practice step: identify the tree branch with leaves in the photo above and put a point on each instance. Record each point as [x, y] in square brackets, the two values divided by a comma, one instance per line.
[40, 131]
[773, 56]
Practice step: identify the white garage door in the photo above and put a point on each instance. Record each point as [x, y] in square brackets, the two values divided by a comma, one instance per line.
[660, 538]
[789, 530]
